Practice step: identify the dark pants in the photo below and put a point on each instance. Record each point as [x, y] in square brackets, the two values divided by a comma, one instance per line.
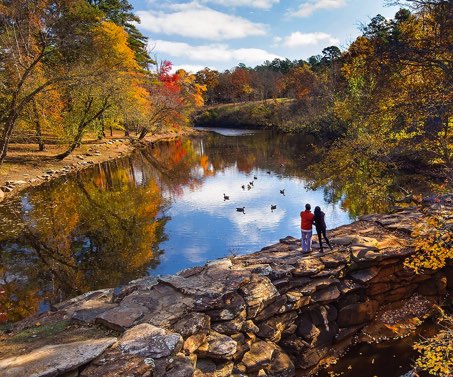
[322, 231]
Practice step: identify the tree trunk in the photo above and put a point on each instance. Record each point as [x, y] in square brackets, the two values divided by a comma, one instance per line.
[111, 131]
[73, 146]
[6, 136]
[83, 124]
[102, 133]
[41, 145]
[143, 133]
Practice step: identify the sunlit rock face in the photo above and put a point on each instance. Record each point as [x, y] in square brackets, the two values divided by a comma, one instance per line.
[262, 314]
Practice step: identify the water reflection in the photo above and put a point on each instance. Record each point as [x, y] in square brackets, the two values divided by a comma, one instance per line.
[156, 212]
[95, 230]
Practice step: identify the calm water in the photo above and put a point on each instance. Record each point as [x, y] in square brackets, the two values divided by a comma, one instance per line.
[156, 212]
[392, 358]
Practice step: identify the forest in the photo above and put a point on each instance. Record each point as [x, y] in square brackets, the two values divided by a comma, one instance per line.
[69, 67]
[384, 104]
[387, 98]
[73, 66]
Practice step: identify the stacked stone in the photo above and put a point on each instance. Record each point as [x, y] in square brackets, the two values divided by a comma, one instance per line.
[261, 314]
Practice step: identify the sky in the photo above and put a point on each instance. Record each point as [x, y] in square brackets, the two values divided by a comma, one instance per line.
[220, 34]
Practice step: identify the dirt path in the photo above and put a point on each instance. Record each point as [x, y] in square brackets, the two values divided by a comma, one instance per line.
[25, 166]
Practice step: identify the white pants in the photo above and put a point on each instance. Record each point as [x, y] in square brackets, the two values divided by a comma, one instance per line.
[306, 240]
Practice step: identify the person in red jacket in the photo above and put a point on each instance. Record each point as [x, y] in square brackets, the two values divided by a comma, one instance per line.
[306, 225]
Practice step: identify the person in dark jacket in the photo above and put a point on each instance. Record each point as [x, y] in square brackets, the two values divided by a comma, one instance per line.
[321, 227]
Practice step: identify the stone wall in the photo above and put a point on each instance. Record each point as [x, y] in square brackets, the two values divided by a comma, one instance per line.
[260, 314]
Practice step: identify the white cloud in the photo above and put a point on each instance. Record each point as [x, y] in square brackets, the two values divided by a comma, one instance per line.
[191, 68]
[193, 20]
[307, 8]
[298, 39]
[212, 52]
[262, 4]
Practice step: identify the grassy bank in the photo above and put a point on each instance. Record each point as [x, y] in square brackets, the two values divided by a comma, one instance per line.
[254, 114]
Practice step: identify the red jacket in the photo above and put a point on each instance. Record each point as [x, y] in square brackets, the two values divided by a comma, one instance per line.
[306, 220]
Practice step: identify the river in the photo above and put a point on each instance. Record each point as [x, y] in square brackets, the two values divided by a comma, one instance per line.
[160, 210]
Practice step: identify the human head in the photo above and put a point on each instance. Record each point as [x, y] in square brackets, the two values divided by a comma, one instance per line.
[308, 207]
[317, 209]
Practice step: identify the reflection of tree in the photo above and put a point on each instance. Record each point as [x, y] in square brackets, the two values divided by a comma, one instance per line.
[18, 298]
[361, 177]
[82, 234]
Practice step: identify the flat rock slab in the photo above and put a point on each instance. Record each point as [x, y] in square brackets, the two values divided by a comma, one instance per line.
[164, 305]
[328, 294]
[90, 311]
[333, 260]
[114, 363]
[308, 267]
[150, 341]
[345, 240]
[192, 323]
[54, 360]
[86, 300]
[216, 279]
[363, 276]
[121, 317]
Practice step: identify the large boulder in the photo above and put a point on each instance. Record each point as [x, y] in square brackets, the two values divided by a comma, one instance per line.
[259, 356]
[258, 293]
[281, 365]
[176, 366]
[191, 324]
[217, 346]
[232, 326]
[228, 307]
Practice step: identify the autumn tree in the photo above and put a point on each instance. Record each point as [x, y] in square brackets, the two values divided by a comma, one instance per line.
[241, 85]
[33, 50]
[109, 67]
[210, 79]
[121, 13]
[173, 97]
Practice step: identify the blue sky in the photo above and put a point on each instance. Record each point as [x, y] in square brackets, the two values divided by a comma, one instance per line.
[220, 34]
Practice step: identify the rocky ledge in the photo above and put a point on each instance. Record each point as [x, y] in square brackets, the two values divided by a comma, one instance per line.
[260, 314]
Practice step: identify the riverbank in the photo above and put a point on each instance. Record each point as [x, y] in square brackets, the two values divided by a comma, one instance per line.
[26, 167]
[260, 314]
